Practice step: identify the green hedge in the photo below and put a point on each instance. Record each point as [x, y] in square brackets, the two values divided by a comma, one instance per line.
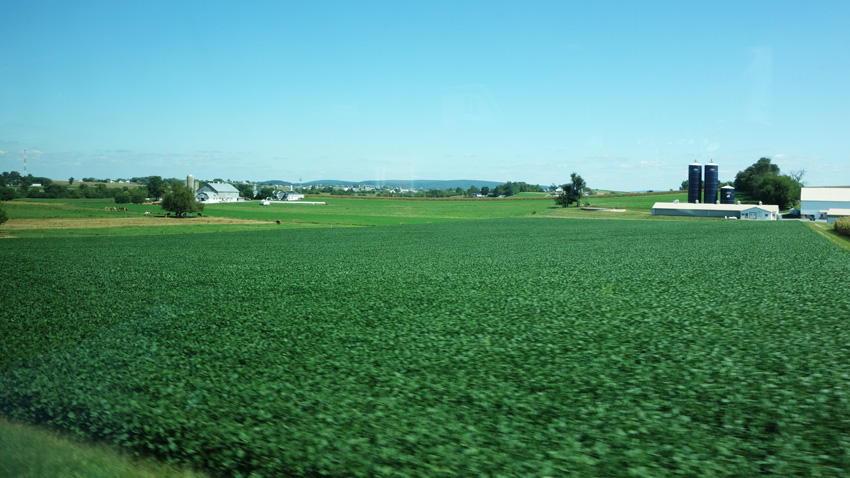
[842, 226]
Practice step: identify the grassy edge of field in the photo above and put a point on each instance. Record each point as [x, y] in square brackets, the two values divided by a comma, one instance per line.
[34, 452]
[828, 231]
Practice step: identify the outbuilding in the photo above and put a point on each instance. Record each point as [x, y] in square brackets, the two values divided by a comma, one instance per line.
[816, 202]
[834, 213]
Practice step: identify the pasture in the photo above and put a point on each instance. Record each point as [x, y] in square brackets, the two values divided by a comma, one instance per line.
[499, 347]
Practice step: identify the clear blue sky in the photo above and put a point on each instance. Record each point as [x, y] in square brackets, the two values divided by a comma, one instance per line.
[625, 93]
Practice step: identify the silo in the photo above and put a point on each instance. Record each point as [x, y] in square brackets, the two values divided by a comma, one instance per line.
[727, 195]
[694, 182]
[711, 183]
[190, 182]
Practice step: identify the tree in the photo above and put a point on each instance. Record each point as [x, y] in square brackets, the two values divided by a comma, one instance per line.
[3, 216]
[7, 194]
[156, 186]
[572, 192]
[762, 182]
[180, 200]
[122, 197]
[485, 191]
[746, 180]
[71, 181]
[684, 186]
[138, 195]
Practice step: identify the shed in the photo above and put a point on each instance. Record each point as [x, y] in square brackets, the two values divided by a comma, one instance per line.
[835, 213]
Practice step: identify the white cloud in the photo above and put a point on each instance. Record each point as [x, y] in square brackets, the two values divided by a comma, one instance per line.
[2, 152]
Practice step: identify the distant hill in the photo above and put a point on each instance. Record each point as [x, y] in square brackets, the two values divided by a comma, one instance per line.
[398, 183]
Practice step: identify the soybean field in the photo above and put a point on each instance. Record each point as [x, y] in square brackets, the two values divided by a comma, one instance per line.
[500, 347]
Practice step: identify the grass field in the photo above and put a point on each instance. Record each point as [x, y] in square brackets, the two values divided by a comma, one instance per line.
[514, 346]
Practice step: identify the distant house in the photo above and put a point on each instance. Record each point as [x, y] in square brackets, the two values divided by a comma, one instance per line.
[816, 202]
[476, 194]
[217, 192]
[288, 195]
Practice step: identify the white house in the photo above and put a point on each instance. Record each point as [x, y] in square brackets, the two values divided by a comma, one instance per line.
[217, 192]
[815, 202]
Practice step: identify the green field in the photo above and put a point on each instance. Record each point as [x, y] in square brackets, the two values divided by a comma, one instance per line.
[502, 347]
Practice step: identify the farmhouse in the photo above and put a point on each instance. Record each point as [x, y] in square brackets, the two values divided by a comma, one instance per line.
[288, 195]
[217, 192]
[816, 202]
[739, 211]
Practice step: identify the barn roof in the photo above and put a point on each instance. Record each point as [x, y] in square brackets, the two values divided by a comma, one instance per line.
[825, 194]
[222, 187]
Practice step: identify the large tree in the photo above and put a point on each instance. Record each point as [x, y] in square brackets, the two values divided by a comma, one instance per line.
[762, 182]
[572, 192]
[156, 186]
[180, 200]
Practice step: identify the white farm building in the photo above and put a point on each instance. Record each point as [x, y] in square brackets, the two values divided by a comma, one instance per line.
[824, 203]
[217, 192]
[738, 211]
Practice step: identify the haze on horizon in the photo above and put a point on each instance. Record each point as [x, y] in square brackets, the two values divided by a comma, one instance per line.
[627, 94]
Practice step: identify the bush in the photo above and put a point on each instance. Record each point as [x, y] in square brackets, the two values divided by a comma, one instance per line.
[3, 216]
[7, 194]
[842, 226]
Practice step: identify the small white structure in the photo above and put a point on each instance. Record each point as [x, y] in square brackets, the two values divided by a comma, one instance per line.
[834, 213]
[217, 192]
[739, 211]
[815, 202]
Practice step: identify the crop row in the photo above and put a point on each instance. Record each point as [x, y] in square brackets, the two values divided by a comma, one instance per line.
[502, 348]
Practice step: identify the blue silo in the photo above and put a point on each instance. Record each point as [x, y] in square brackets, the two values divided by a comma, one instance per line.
[711, 183]
[694, 182]
[727, 195]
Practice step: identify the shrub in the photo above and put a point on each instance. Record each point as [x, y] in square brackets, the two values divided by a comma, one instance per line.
[842, 226]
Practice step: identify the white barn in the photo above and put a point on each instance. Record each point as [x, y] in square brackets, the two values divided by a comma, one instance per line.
[288, 195]
[217, 192]
[738, 211]
[816, 202]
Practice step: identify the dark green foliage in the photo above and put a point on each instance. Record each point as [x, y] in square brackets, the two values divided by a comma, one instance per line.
[156, 186]
[123, 197]
[7, 194]
[3, 216]
[762, 182]
[511, 188]
[571, 192]
[180, 200]
[386, 352]
[842, 226]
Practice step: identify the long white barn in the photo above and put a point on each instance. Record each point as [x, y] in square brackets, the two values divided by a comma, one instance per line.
[816, 202]
[738, 211]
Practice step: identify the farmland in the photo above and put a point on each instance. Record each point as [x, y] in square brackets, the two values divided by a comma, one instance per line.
[516, 346]
[46, 218]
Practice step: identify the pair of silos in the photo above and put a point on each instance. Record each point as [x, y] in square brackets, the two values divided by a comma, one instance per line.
[708, 188]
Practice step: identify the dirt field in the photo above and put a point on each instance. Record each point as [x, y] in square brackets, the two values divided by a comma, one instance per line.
[85, 223]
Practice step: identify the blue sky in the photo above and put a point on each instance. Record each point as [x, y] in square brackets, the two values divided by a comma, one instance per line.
[627, 94]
